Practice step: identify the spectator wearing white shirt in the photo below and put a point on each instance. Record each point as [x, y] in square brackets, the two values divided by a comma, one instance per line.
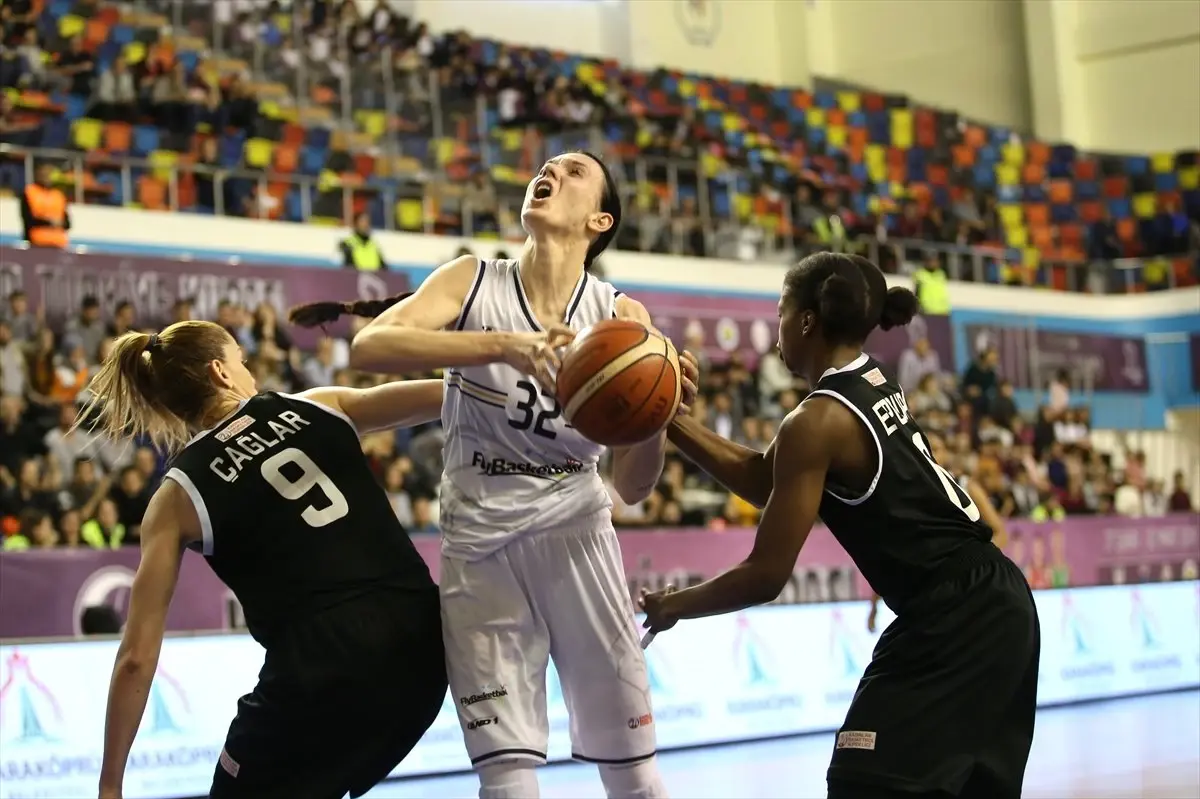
[1060, 392]
[916, 363]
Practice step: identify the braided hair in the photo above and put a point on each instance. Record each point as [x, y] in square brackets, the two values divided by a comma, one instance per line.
[317, 314]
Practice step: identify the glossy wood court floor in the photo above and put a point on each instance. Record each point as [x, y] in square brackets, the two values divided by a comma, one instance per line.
[1142, 747]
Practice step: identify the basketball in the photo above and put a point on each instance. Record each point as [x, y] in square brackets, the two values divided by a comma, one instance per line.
[619, 383]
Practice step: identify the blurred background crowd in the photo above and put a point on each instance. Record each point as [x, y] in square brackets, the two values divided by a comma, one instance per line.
[65, 486]
[326, 110]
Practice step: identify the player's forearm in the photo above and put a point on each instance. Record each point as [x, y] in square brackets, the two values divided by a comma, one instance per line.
[744, 471]
[741, 587]
[636, 469]
[398, 348]
[127, 694]
[397, 404]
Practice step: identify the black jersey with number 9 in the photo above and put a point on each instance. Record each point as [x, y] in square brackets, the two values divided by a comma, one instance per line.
[293, 520]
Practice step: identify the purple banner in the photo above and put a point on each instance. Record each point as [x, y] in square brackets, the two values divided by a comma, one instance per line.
[1030, 358]
[42, 594]
[750, 327]
[58, 281]
[1195, 361]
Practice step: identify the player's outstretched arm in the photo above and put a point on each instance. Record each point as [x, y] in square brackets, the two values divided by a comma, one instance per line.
[744, 471]
[169, 525]
[988, 513]
[398, 404]
[802, 460]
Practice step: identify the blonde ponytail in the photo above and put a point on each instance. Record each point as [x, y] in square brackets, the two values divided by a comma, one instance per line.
[156, 385]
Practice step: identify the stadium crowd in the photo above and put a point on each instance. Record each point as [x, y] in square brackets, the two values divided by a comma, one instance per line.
[62, 485]
[698, 185]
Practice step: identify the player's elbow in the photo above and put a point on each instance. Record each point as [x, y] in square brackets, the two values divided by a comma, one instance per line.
[372, 351]
[632, 494]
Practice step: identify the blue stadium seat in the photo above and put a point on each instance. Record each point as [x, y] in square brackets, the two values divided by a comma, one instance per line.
[1166, 181]
[1087, 190]
[1120, 208]
[145, 140]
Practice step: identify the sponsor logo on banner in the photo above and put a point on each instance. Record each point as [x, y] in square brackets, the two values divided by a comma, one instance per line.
[847, 659]
[758, 674]
[29, 710]
[669, 704]
[1151, 653]
[1082, 656]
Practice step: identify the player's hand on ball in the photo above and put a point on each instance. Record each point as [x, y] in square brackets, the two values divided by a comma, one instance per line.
[536, 354]
[658, 610]
[689, 368]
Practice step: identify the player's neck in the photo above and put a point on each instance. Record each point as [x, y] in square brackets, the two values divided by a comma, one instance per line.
[550, 270]
[836, 358]
[221, 407]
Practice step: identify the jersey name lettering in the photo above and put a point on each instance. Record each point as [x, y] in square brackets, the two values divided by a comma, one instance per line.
[244, 449]
[892, 412]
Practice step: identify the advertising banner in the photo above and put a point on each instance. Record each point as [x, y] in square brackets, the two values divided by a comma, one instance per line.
[42, 594]
[1030, 357]
[58, 281]
[750, 327]
[762, 672]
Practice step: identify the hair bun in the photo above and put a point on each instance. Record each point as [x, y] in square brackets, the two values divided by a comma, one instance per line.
[899, 307]
[838, 302]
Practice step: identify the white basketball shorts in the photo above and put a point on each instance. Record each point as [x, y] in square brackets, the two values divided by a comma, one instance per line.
[551, 595]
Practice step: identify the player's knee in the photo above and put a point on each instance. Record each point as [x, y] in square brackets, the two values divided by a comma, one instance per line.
[509, 779]
[634, 781]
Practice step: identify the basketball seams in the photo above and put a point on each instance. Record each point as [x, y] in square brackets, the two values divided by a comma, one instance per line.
[614, 367]
[585, 341]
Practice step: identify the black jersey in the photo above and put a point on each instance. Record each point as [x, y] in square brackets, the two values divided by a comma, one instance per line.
[914, 517]
[293, 520]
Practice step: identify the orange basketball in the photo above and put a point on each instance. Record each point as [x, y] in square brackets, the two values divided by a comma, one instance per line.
[619, 383]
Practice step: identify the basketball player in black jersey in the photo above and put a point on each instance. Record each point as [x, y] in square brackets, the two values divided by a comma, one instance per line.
[946, 706]
[274, 490]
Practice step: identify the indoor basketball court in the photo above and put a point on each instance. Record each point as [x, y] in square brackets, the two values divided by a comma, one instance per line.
[1140, 747]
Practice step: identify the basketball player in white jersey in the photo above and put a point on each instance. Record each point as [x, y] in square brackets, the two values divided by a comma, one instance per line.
[531, 568]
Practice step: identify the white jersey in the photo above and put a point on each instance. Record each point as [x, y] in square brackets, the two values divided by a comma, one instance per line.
[512, 463]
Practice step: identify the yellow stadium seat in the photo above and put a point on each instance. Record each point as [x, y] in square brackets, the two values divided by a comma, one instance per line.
[1189, 177]
[742, 206]
[162, 162]
[510, 140]
[586, 72]
[849, 101]
[1145, 205]
[1032, 257]
[732, 122]
[1155, 270]
[269, 109]
[87, 133]
[135, 53]
[1011, 215]
[325, 221]
[874, 204]
[445, 150]
[372, 123]
[706, 104]
[1013, 153]
[410, 215]
[644, 137]
[710, 164]
[816, 117]
[1017, 236]
[258, 153]
[1008, 175]
[876, 154]
[687, 88]
[902, 128]
[70, 26]
[1162, 163]
[877, 172]
[837, 135]
[898, 191]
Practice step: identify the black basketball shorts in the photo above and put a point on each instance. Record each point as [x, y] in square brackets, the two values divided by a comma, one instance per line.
[947, 704]
[338, 709]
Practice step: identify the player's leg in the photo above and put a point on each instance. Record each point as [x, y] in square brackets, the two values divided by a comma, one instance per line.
[939, 688]
[581, 591]
[497, 650]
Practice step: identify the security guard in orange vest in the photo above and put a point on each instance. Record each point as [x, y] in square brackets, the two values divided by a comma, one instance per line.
[44, 211]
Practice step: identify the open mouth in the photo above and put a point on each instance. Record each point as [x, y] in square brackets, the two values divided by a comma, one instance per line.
[543, 190]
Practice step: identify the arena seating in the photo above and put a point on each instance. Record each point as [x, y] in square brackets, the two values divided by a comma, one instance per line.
[750, 145]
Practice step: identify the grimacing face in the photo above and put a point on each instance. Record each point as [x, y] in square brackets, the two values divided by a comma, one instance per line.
[565, 197]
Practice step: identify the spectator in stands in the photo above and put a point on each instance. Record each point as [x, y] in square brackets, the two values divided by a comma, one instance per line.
[360, 250]
[169, 100]
[67, 444]
[1059, 391]
[12, 363]
[422, 516]
[1180, 500]
[85, 330]
[104, 530]
[916, 363]
[77, 67]
[116, 96]
[87, 487]
[44, 210]
[1168, 232]
[1127, 501]
[930, 282]
[19, 436]
[1048, 509]
[21, 322]
[980, 381]
[1155, 502]
[25, 489]
[967, 214]
[124, 320]
[1004, 406]
[35, 530]
[481, 206]
[41, 365]
[16, 17]
[131, 497]
[35, 72]
[319, 367]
